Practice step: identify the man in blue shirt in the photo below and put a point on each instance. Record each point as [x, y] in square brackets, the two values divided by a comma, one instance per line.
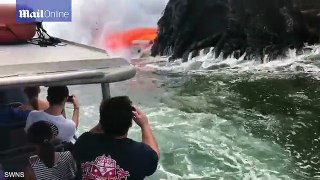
[10, 116]
[111, 154]
[8, 113]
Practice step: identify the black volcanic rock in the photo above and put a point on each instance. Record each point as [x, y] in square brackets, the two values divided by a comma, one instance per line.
[254, 27]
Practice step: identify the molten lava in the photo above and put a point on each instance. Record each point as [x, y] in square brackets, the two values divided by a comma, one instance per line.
[141, 37]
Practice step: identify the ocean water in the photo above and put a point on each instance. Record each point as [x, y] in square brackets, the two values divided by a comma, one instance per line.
[225, 119]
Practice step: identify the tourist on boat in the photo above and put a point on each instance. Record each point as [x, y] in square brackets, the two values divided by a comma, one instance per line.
[57, 97]
[48, 164]
[9, 113]
[35, 103]
[111, 154]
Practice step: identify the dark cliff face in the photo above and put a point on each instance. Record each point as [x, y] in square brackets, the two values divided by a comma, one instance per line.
[257, 28]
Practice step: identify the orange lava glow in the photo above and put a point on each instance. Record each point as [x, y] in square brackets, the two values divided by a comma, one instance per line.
[126, 39]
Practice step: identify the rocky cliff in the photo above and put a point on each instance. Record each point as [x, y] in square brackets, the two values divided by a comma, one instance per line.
[237, 27]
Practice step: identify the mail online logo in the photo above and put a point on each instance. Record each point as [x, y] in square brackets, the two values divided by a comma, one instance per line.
[43, 11]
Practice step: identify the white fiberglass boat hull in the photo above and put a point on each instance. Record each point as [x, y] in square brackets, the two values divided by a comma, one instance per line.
[70, 64]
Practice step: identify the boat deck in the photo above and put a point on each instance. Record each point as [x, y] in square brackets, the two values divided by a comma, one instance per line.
[67, 64]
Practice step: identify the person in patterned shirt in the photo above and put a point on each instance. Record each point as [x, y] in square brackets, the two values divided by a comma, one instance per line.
[48, 164]
[111, 154]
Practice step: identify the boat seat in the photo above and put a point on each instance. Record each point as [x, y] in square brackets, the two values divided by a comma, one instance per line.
[16, 159]
[12, 135]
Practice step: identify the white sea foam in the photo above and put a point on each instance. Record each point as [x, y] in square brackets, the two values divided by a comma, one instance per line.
[206, 63]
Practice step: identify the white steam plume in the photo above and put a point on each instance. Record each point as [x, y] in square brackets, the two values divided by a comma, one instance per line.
[93, 18]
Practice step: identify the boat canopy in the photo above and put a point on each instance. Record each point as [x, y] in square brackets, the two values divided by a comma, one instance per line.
[66, 64]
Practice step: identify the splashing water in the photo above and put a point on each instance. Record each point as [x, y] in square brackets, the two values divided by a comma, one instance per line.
[215, 118]
[307, 62]
[276, 101]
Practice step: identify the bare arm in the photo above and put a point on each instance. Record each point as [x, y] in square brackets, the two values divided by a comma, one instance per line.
[29, 174]
[43, 104]
[149, 139]
[75, 115]
[147, 136]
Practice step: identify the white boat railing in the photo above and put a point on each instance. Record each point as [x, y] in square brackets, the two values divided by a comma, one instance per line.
[71, 64]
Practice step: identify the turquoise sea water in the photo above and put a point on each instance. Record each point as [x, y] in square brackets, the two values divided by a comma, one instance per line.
[219, 126]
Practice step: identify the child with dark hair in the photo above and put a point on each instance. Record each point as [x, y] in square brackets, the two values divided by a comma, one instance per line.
[35, 103]
[48, 164]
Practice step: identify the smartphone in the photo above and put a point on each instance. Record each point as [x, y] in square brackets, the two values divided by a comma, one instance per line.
[70, 99]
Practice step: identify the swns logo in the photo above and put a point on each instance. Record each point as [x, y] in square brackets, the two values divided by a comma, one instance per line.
[43, 11]
[14, 174]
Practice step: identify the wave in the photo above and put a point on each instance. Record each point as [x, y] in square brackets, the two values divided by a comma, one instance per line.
[307, 62]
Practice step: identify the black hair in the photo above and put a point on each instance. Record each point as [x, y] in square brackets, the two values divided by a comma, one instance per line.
[57, 94]
[116, 116]
[33, 94]
[41, 134]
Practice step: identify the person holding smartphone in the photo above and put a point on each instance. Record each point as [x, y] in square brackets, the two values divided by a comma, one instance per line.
[110, 154]
[57, 97]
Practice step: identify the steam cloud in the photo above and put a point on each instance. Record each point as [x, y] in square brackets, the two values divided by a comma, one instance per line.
[95, 18]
